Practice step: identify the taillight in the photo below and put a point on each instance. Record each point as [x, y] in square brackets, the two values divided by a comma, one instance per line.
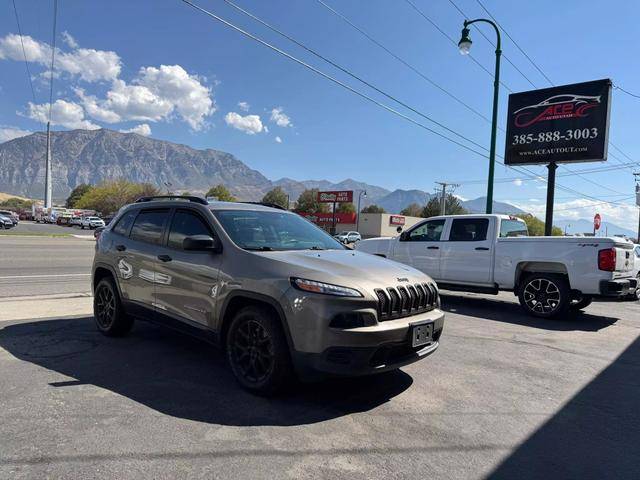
[607, 259]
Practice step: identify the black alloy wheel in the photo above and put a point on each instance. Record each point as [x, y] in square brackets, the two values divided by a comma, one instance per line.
[252, 351]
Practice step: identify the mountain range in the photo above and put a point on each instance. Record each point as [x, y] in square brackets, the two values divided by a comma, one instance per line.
[90, 156]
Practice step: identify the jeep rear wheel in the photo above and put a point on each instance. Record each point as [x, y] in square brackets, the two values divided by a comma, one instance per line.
[545, 295]
[108, 313]
[258, 352]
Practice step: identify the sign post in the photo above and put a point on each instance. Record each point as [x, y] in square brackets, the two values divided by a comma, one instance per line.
[565, 124]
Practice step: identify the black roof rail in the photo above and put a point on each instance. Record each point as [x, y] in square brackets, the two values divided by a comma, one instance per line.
[266, 204]
[190, 198]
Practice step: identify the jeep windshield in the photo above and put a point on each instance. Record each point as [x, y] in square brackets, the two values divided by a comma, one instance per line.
[267, 231]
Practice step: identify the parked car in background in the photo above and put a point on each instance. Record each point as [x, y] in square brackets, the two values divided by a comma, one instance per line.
[6, 222]
[75, 221]
[489, 253]
[282, 296]
[348, 237]
[91, 222]
[13, 216]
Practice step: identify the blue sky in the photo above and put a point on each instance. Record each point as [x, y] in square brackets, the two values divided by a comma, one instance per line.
[163, 68]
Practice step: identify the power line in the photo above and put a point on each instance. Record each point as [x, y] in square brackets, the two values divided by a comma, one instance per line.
[360, 94]
[515, 43]
[24, 53]
[401, 60]
[618, 87]
[327, 77]
[352, 75]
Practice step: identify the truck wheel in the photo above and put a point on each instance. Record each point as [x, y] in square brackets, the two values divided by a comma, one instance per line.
[108, 313]
[545, 295]
[258, 352]
[582, 302]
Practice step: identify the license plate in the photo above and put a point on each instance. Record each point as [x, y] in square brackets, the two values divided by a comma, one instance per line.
[421, 334]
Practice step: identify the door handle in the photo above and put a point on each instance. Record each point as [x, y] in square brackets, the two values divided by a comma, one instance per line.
[121, 248]
[164, 258]
[482, 248]
[433, 248]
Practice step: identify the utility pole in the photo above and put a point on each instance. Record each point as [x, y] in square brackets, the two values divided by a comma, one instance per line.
[48, 202]
[443, 195]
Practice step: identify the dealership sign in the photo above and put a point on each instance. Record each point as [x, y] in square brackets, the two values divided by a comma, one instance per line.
[569, 123]
[324, 218]
[396, 220]
[344, 196]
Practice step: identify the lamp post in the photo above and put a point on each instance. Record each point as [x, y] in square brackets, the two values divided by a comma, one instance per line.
[465, 46]
[362, 192]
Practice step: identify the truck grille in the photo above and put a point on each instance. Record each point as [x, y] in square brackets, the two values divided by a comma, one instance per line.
[404, 301]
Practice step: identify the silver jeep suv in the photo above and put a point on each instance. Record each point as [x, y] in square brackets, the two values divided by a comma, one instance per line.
[281, 296]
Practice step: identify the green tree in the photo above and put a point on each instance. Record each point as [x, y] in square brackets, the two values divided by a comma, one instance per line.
[308, 203]
[413, 210]
[15, 202]
[222, 193]
[109, 196]
[452, 206]
[76, 193]
[346, 208]
[277, 196]
[536, 226]
[372, 209]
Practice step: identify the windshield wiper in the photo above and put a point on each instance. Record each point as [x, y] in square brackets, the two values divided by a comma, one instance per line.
[317, 247]
[264, 248]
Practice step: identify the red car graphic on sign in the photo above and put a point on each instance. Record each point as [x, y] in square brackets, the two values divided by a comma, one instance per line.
[556, 107]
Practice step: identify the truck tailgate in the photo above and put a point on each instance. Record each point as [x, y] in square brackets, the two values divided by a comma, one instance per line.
[624, 258]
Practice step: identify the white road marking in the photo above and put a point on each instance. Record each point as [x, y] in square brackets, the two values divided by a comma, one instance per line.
[47, 276]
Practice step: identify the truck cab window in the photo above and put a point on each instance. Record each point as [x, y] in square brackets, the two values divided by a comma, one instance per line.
[469, 230]
[430, 231]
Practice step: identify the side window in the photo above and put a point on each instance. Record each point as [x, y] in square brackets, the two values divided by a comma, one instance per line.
[148, 226]
[186, 223]
[469, 230]
[430, 231]
[513, 228]
[124, 224]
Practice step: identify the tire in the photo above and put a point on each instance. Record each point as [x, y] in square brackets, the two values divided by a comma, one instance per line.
[545, 295]
[257, 351]
[111, 319]
[82, 226]
[582, 302]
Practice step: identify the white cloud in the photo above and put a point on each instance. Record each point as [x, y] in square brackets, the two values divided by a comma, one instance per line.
[9, 133]
[280, 118]
[86, 63]
[278, 140]
[623, 215]
[143, 129]
[250, 124]
[518, 182]
[244, 106]
[63, 113]
[69, 40]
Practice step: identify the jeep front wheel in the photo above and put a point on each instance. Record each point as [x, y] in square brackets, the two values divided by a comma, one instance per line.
[109, 315]
[258, 352]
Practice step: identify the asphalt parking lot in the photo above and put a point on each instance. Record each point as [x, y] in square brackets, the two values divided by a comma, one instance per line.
[505, 396]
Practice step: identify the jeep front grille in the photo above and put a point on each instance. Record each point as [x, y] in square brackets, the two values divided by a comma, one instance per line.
[404, 301]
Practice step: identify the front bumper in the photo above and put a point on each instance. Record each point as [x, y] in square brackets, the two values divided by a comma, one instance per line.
[369, 352]
[618, 287]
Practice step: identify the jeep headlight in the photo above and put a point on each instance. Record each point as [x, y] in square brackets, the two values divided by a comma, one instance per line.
[324, 288]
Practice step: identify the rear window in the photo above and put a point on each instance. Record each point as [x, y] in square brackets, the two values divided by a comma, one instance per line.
[513, 228]
[469, 230]
[148, 226]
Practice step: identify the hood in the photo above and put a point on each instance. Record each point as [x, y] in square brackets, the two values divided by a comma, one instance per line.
[345, 267]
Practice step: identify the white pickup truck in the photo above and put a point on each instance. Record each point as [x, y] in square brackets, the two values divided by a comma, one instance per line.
[489, 253]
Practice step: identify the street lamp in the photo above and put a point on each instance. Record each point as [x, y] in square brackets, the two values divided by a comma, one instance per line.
[362, 192]
[465, 47]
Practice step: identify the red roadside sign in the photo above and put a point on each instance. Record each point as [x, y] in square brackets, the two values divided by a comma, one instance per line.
[396, 220]
[344, 196]
[597, 221]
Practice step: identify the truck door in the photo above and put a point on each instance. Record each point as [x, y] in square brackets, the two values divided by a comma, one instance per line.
[420, 247]
[467, 256]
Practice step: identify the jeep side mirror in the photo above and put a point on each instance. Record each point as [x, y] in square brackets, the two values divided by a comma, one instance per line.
[200, 242]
